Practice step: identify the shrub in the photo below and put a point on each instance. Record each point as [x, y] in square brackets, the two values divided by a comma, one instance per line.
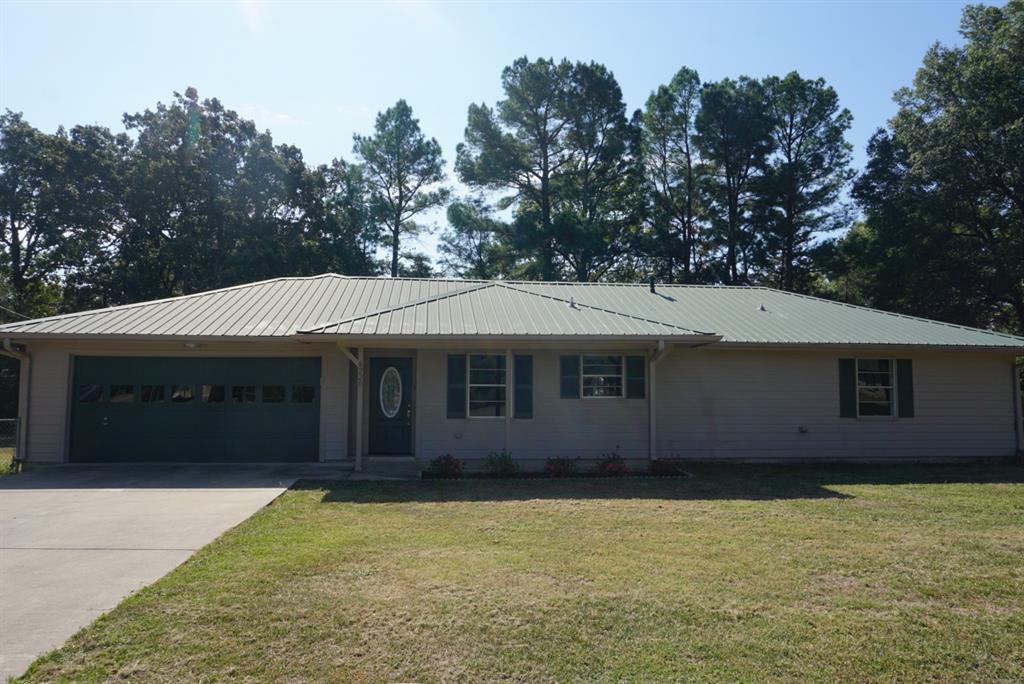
[446, 465]
[560, 467]
[612, 465]
[668, 466]
[501, 464]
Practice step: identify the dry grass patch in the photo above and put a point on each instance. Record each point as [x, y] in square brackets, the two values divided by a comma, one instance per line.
[738, 574]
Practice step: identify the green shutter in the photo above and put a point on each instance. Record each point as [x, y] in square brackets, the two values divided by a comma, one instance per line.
[847, 388]
[523, 366]
[905, 388]
[570, 377]
[456, 385]
[636, 377]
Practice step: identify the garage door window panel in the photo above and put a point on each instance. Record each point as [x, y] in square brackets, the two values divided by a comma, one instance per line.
[152, 394]
[273, 394]
[90, 393]
[303, 394]
[182, 394]
[122, 394]
[243, 394]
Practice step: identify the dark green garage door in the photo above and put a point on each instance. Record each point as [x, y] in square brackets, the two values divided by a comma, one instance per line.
[147, 409]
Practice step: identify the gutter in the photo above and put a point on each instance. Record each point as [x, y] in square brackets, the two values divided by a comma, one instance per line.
[24, 388]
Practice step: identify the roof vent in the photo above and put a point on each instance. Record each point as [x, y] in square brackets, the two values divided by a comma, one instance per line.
[572, 302]
[762, 307]
[653, 291]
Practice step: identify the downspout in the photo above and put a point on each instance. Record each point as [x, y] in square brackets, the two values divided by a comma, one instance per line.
[652, 437]
[24, 392]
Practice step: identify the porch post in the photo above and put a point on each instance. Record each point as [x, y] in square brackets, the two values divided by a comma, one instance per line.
[652, 437]
[359, 410]
[509, 396]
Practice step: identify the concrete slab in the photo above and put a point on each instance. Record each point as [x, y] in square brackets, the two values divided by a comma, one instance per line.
[76, 540]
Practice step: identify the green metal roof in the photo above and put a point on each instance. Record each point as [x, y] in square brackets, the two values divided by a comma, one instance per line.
[341, 307]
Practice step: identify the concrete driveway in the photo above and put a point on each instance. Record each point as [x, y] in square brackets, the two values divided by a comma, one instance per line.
[75, 540]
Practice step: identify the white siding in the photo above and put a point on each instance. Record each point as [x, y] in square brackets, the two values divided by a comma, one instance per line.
[739, 404]
[51, 381]
[573, 428]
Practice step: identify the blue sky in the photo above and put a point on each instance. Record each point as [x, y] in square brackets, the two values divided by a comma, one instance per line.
[315, 73]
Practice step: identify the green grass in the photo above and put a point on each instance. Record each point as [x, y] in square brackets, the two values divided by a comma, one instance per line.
[737, 574]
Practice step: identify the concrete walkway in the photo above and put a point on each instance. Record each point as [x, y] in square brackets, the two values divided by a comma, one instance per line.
[75, 540]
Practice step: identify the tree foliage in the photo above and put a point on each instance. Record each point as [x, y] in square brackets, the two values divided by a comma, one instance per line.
[403, 169]
[943, 194]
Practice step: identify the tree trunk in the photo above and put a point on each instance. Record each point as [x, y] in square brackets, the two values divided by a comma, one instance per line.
[394, 249]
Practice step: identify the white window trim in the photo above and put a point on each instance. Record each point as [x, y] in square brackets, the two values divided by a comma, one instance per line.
[470, 384]
[893, 411]
[622, 374]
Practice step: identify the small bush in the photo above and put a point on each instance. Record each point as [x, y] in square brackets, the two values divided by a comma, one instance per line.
[560, 467]
[668, 466]
[612, 465]
[447, 466]
[501, 464]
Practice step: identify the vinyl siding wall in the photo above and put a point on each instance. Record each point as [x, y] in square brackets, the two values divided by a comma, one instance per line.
[711, 404]
[573, 428]
[51, 381]
[750, 404]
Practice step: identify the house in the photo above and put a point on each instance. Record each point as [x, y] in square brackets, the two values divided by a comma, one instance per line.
[344, 369]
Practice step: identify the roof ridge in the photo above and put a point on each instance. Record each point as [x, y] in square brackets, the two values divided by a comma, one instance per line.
[396, 307]
[604, 310]
[909, 317]
[164, 300]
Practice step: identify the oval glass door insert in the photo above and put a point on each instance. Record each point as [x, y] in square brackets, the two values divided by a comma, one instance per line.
[390, 392]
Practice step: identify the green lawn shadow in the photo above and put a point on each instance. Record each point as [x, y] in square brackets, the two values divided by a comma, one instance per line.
[708, 482]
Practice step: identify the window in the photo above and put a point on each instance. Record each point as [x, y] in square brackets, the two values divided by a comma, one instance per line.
[486, 397]
[243, 394]
[90, 393]
[181, 394]
[152, 393]
[602, 376]
[273, 394]
[875, 387]
[303, 394]
[212, 394]
[122, 394]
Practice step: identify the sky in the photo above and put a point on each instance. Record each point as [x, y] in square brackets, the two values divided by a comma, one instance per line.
[314, 73]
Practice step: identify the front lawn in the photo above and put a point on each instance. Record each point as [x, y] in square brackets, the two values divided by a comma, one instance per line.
[737, 574]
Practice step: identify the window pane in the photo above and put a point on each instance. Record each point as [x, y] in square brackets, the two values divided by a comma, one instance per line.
[122, 394]
[875, 409]
[610, 360]
[303, 394]
[486, 362]
[243, 394]
[152, 393]
[90, 393]
[883, 394]
[873, 365]
[486, 393]
[213, 394]
[874, 379]
[273, 394]
[182, 393]
[487, 377]
[602, 386]
[487, 409]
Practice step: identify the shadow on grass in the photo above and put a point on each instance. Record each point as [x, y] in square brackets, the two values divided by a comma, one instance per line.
[709, 482]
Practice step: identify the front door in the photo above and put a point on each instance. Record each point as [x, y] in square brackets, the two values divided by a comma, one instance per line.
[391, 406]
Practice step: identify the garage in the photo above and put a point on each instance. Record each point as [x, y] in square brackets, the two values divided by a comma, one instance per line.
[194, 410]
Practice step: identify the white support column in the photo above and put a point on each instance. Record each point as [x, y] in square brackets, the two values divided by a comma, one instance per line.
[1018, 406]
[509, 397]
[652, 422]
[360, 400]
